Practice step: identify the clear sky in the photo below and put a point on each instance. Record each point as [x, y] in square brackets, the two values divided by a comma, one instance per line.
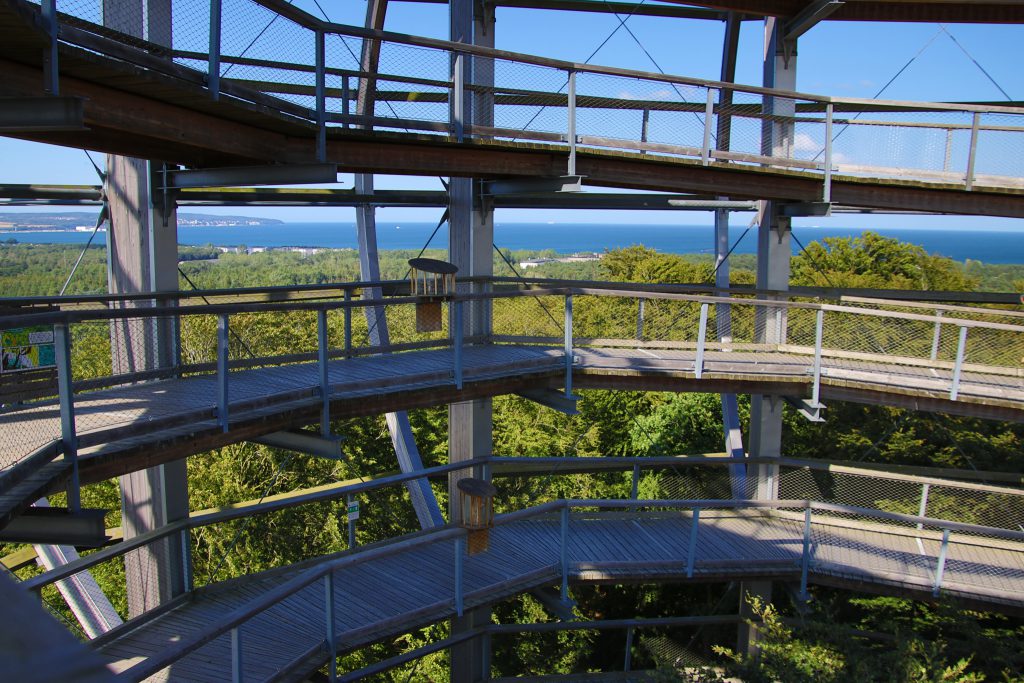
[845, 59]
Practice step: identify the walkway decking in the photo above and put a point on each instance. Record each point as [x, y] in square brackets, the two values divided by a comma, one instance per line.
[129, 427]
[415, 586]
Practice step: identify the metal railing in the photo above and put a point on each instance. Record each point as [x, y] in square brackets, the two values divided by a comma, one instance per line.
[241, 355]
[306, 68]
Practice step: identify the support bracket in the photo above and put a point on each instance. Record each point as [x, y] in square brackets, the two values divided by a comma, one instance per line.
[565, 183]
[305, 442]
[552, 601]
[803, 209]
[811, 411]
[550, 398]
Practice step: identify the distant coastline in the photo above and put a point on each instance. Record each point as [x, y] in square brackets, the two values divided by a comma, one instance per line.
[83, 221]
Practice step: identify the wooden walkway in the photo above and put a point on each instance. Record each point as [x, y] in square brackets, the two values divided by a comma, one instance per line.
[415, 586]
[133, 426]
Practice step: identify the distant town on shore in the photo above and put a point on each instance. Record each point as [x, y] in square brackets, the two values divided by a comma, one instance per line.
[71, 221]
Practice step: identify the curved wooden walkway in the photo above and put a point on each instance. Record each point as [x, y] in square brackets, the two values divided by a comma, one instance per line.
[135, 426]
[411, 582]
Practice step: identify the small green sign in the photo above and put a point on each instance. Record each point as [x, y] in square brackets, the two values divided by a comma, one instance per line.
[353, 510]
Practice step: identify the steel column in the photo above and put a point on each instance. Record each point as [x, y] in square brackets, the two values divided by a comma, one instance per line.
[222, 371]
[236, 655]
[460, 543]
[954, 389]
[709, 115]
[805, 558]
[922, 509]
[819, 324]
[66, 397]
[457, 332]
[329, 618]
[321, 99]
[691, 550]
[973, 152]
[186, 561]
[698, 363]
[640, 319]
[213, 68]
[826, 193]
[936, 336]
[940, 566]
[572, 123]
[51, 73]
[564, 559]
[567, 345]
[325, 386]
[348, 324]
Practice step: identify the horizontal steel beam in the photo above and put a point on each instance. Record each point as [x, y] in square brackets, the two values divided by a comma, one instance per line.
[565, 183]
[57, 526]
[41, 114]
[550, 398]
[284, 174]
[304, 442]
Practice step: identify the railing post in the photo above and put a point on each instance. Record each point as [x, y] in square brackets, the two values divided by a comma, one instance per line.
[485, 656]
[940, 565]
[922, 509]
[826, 190]
[222, 370]
[954, 389]
[640, 305]
[348, 324]
[936, 336]
[805, 558]
[458, 99]
[186, 561]
[321, 98]
[66, 397]
[628, 663]
[568, 345]
[644, 125]
[572, 123]
[349, 504]
[973, 152]
[213, 78]
[635, 488]
[236, 655]
[702, 333]
[691, 549]
[325, 386]
[332, 637]
[459, 544]
[819, 325]
[709, 114]
[345, 94]
[564, 559]
[51, 72]
[947, 161]
[457, 344]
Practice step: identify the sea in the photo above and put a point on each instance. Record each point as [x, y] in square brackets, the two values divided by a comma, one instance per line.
[988, 246]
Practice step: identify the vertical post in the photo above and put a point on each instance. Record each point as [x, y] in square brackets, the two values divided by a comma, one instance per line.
[564, 523]
[936, 336]
[702, 333]
[572, 123]
[691, 550]
[922, 509]
[635, 488]
[568, 345]
[973, 152]
[628, 663]
[826, 192]
[222, 370]
[348, 324]
[344, 104]
[459, 543]
[954, 388]
[349, 500]
[819, 324]
[457, 331]
[66, 397]
[321, 99]
[186, 561]
[213, 78]
[485, 656]
[236, 655]
[644, 126]
[805, 558]
[51, 79]
[325, 386]
[947, 162]
[332, 637]
[640, 305]
[709, 114]
[458, 98]
[940, 566]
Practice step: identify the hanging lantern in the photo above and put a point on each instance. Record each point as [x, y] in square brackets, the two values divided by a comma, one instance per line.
[476, 503]
[431, 280]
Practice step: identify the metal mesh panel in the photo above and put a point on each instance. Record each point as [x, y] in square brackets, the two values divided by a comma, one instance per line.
[1000, 147]
[530, 98]
[530, 316]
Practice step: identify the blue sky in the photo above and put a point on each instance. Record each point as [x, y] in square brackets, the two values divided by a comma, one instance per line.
[845, 59]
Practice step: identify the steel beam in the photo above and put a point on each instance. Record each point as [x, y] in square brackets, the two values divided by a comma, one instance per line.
[808, 409]
[41, 114]
[305, 442]
[817, 10]
[57, 526]
[283, 174]
[566, 183]
[550, 398]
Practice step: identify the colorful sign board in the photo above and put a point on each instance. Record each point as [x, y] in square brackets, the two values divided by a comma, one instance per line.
[27, 348]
